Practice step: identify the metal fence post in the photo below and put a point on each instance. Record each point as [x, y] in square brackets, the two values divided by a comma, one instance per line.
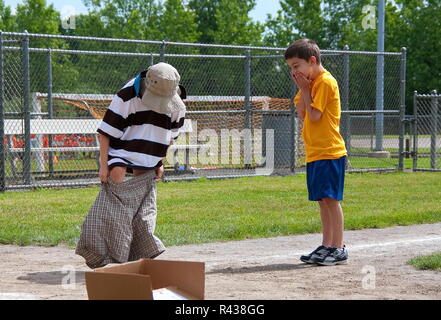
[434, 128]
[162, 51]
[379, 103]
[26, 111]
[402, 108]
[345, 100]
[372, 131]
[247, 106]
[415, 132]
[247, 95]
[2, 123]
[50, 107]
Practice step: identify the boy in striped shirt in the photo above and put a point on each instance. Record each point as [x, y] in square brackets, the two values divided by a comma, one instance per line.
[140, 124]
[142, 120]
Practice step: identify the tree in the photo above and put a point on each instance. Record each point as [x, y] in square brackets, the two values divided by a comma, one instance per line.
[36, 17]
[417, 26]
[6, 19]
[297, 19]
[425, 48]
[226, 22]
[345, 26]
[132, 19]
[90, 25]
[177, 23]
[414, 24]
[205, 11]
[234, 25]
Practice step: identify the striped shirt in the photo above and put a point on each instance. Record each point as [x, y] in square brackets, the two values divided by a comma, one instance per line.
[139, 137]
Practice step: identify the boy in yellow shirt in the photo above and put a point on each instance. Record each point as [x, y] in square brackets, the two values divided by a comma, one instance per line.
[318, 104]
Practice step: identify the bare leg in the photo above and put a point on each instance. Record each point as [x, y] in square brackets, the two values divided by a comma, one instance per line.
[326, 224]
[137, 172]
[117, 174]
[335, 214]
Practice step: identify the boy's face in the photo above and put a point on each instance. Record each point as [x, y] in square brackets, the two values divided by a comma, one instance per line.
[301, 66]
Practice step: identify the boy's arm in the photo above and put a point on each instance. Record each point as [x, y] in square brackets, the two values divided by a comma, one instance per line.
[159, 170]
[113, 126]
[104, 157]
[177, 119]
[300, 106]
[313, 113]
[304, 84]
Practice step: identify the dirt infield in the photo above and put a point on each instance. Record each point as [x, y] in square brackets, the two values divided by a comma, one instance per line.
[255, 269]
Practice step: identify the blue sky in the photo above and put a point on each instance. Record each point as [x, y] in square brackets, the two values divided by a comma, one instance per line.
[262, 8]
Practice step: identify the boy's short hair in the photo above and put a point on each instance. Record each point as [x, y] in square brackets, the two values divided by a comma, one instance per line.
[303, 49]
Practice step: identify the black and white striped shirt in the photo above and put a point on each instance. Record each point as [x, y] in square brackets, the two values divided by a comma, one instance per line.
[139, 137]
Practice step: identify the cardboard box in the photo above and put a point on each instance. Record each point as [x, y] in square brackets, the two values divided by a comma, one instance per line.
[147, 279]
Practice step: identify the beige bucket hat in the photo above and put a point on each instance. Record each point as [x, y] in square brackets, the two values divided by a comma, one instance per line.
[161, 91]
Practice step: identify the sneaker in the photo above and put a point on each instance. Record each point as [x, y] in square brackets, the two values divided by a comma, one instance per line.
[318, 252]
[334, 256]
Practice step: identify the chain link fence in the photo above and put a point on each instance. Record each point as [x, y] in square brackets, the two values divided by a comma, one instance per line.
[427, 132]
[241, 118]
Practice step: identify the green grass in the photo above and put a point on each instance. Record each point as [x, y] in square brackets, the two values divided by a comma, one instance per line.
[221, 210]
[61, 164]
[430, 262]
[370, 163]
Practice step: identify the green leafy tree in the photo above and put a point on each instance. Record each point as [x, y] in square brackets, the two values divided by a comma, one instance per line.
[205, 11]
[90, 25]
[226, 22]
[345, 26]
[132, 19]
[6, 18]
[426, 49]
[36, 16]
[416, 26]
[297, 19]
[234, 25]
[178, 23]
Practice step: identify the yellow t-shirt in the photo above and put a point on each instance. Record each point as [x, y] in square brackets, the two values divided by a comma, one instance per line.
[322, 138]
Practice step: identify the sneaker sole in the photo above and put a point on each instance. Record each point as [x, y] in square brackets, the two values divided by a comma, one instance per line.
[307, 261]
[332, 263]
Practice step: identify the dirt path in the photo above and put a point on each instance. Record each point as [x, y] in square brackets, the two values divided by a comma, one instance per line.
[255, 269]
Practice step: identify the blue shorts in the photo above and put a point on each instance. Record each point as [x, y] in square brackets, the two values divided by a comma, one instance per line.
[326, 178]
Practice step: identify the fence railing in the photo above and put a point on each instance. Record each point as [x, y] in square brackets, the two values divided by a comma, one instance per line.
[427, 132]
[240, 107]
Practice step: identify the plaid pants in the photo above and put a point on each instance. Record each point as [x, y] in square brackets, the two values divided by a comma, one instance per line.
[120, 225]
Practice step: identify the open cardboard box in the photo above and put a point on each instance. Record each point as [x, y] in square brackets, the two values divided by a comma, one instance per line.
[147, 279]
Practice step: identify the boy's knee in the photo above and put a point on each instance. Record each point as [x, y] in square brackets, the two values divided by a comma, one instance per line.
[329, 201]
[117, 174]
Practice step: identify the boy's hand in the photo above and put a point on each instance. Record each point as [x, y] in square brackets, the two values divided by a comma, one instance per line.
[104, 173]
[294, 79]
[301, 81]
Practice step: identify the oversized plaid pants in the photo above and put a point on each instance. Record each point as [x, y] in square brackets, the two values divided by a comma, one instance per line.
[120, 225]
